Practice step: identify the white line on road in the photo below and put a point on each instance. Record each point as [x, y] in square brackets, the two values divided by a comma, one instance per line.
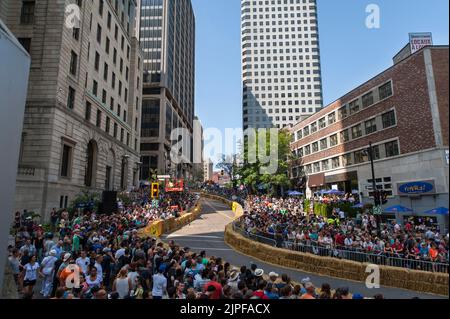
[210, 248]
[193, 236]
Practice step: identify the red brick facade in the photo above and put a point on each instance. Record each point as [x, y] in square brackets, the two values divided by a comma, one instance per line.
[411, 102]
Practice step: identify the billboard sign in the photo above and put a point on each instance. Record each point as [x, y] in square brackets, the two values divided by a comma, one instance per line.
[417, 188]
[174, 185]
[418, 41]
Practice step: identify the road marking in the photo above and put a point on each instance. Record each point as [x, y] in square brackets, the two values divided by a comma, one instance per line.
[218, 212]
[195, 240]
[193, 236]
[210, 248]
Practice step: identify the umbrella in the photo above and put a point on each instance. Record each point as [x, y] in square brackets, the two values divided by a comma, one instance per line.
[294, 193]
[398, 209]
[334, 192]
[360, 205]
[438, 211]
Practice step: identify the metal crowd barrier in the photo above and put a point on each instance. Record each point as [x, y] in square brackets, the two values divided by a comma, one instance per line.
[348, 254]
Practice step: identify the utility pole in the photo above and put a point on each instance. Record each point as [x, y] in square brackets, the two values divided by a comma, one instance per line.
[376, 193]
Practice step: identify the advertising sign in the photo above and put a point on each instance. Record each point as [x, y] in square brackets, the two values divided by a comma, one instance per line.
[419, 40]
[416, 188]
[174, 186]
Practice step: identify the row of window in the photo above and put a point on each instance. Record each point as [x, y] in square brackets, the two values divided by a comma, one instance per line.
[390, 149]
[388, 120]
[384, 91]
[277, 2]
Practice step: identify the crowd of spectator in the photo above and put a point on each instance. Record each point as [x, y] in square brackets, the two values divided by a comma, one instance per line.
[288, 220]
[106, 242]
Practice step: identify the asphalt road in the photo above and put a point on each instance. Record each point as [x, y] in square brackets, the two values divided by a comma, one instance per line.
[207, 233]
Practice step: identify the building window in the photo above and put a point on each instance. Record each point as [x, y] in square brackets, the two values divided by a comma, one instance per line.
[73, 63]
[306, 131]
[342, 113]
[376, 152]
[26, 43]
[122, 133]
[107, 124]
[333, 140]
[322, 123]
[100, 8]
[325, 165]
[307, 149]
[76, 33]
[335, 162]
[99, 118]
[66, 160]
[104, 96]
[354, 106]
[115, 130]
[388, 119]
[392, 149]
[323, 144]
[105, 72]
[385, 91]
[108, 23]
[345, 137]
[27, 13]
[347, 159]
[370, 126]
[97, 61]
[94, 87]
[71, 98]
[313, 127]
[331, 118]
[367, 99]
[91, 168]
[316, 167]
[315, 147]
[87, 114]
[99, 34]
[356, 131]
[107, 45]
[361, 157]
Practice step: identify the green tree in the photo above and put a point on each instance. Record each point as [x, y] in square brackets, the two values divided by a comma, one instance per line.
[254, 173]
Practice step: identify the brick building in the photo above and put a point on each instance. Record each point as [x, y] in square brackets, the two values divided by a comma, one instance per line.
[403, 112]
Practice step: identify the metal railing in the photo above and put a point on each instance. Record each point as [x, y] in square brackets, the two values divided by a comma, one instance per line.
[314, 248]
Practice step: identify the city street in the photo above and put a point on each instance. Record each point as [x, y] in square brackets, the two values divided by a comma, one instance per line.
[207, 233]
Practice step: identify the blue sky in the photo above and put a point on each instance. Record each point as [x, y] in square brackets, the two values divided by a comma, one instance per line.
[350, 53]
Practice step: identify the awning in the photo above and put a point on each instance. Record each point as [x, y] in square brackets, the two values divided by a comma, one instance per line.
[344, 177]
[317, 180]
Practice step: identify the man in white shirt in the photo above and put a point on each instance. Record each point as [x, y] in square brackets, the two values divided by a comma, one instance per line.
[159, 283]
[83, 262]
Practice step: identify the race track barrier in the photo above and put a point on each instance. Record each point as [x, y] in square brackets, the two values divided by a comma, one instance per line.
[160, 227]
[416, 280]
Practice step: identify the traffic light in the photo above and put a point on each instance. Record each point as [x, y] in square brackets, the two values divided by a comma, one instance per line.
[222, 172]
[384, 196]
[155, 190]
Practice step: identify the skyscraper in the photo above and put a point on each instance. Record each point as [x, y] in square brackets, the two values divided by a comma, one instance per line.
[280, 62]
[167, 37]
[80, 126]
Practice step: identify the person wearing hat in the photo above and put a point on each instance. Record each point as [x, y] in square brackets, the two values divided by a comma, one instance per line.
[159, 283]
[273, 276]
[233, 280]
[47, 270]
[310, 291]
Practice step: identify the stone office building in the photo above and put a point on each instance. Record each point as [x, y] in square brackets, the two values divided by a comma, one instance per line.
[82, 120]
[403, 112]
[167, 37]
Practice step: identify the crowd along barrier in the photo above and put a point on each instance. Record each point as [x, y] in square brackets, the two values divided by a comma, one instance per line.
[160, 227]
[416, 280]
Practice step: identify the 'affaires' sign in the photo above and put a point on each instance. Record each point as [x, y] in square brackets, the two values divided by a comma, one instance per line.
[419, 41]
[416, 188]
